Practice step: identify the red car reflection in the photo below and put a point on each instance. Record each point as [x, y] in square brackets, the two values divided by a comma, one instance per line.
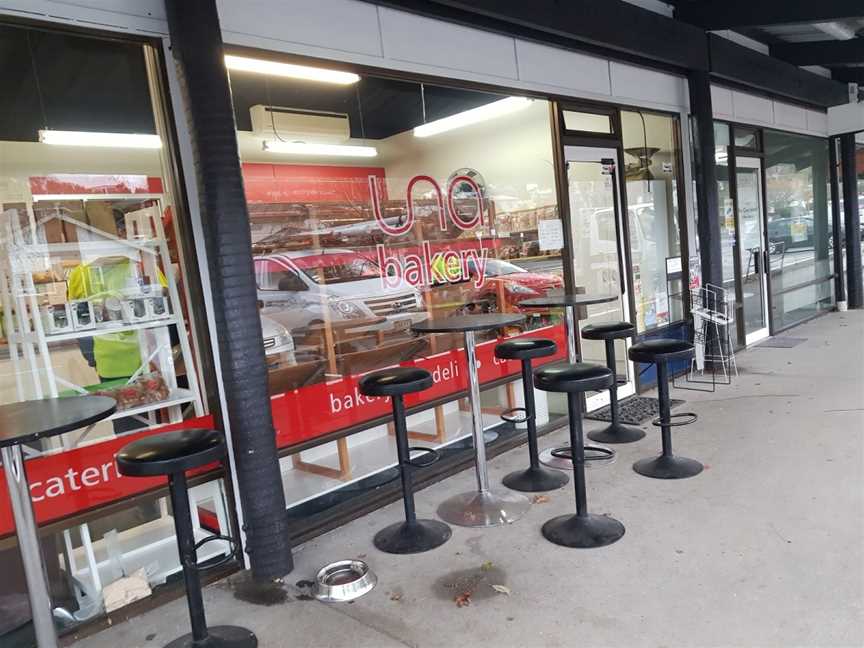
[508, 283]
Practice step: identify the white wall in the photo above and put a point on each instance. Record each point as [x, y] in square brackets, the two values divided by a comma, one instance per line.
[746, 108]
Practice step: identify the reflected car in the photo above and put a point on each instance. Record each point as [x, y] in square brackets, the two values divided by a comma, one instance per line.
[515, 283]
[278, 343]
[299, 289]
[791, 231]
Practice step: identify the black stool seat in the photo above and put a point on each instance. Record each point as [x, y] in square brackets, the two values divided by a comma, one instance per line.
[525, 348]
[661, 350]
[578, 377]
[535, 478]
[170, 452]
[395, 381]
[609, 331]
[584, 529]
[413, 535]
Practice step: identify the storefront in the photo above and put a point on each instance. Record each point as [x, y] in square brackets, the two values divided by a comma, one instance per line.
[378, 199]
[777, 236]
[421, 169]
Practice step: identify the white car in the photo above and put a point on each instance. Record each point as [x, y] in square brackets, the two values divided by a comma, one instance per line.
[278, 343]
[297, 289]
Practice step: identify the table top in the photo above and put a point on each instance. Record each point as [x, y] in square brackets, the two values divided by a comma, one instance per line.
[583, 299]
[463, 323]
[31, 420]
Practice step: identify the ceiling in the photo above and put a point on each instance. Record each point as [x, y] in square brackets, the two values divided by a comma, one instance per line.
[825, 33]
[64, 82]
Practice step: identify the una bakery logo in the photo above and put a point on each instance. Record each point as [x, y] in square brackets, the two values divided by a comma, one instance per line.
[428, 266]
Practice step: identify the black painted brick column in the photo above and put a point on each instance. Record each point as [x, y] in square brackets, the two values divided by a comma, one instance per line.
[852, 219]
[196, 43]
[708, 220]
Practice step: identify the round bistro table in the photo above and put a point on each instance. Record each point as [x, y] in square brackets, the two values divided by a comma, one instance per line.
[482, 507]
[560, 457]
[22, 423]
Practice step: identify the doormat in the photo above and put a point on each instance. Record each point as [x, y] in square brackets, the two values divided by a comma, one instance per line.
[781, 342]
[633, 410]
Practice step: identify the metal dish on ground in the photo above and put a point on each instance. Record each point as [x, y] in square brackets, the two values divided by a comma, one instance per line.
[344, 580]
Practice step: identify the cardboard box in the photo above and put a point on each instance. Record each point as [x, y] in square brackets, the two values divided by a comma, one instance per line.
[100, 216]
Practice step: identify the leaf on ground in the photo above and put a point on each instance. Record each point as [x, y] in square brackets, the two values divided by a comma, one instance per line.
[502, 589]
[486, 566]
[396, 596]
[463, 600]
[540, 499]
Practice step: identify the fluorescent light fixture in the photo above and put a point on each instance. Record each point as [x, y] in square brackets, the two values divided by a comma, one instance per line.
[259, 66]
[836, 30]
[334, 150]
[473, 116]
[112, 140]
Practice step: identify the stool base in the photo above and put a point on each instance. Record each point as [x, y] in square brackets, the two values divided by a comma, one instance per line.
[219, 637]
[535, 480]
[405, 538]
[617, 433]
[668, 467]
[583, 531]
[484, 508]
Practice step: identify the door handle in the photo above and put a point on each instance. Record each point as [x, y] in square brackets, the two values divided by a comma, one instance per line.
[766, 259]
[757, 261]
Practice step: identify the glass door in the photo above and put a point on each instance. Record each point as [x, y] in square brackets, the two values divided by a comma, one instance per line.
[598, 263]
[752, 251]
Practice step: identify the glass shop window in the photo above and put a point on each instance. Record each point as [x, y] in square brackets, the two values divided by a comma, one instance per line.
[652, 179]
[93, 299]
[747, 138]
[375, 204]
[587, 122]
[799, 227]
[726, 205]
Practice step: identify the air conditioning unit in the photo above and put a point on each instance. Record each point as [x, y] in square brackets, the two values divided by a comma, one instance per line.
[291, 124]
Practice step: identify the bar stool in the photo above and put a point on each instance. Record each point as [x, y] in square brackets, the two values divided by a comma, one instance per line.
[535, 478]
[661, 352]
[583, 530]
[615, 432]
[171, 454]
[412, 535]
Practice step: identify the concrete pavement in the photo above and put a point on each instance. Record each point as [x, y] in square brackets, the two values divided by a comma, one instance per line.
[764, 548]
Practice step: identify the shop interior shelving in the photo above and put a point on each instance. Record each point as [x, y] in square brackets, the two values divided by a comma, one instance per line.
[31, 264]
